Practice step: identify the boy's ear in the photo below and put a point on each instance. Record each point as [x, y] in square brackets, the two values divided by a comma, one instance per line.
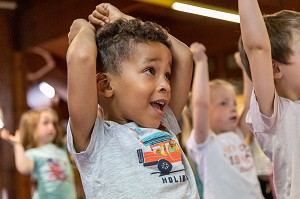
[103, 85]
[277, 73]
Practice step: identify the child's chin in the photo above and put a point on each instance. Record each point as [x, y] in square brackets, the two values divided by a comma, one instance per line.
[156, 126]
[153, 125]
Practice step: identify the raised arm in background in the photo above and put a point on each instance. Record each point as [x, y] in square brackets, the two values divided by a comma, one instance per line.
[258, 48]
[23, 164]
[247, 90]
[200, 93]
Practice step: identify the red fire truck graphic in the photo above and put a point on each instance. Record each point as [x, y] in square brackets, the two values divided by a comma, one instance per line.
[163, 151]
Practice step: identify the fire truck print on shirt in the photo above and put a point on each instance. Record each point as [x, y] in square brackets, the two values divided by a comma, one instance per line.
[161, 152]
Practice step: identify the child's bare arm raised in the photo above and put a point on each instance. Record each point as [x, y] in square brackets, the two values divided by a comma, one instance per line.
[82, 91]
[258, 48]
[82, 84]
[23, 164]
[200, 93]
[182, 69]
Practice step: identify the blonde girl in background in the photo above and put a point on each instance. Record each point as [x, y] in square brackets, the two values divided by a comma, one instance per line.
[216, 143]
[39, 152]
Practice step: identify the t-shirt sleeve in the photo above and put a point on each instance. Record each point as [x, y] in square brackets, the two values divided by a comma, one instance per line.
[265, 127]
[195, 150]
[258, 122]
[170, 122]
[32, 155]
[96, 142]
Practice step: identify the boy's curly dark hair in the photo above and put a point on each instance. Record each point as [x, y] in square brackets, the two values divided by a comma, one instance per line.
[116, 41]
[282, 27]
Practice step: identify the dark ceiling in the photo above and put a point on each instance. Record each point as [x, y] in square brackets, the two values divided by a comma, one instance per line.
[46, 23]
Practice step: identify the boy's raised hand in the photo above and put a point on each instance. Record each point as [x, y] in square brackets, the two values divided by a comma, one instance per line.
[12, 139]
[76, 27]
[106, 13]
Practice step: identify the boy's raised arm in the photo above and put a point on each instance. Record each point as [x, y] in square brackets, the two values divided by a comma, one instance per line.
[181, 77]
[81, 59]
[258, 49]
[200, 93]
[82, 90]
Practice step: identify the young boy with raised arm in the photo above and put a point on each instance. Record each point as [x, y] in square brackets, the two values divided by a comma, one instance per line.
[139, 77]
[216, 143]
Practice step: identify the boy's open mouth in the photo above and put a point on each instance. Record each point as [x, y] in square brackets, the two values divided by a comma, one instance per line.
[158, 105]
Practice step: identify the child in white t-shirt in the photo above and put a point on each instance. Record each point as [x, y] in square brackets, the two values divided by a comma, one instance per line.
[216, 143]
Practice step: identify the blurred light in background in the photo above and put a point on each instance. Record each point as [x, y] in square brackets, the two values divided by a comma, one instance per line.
[1, 119]
[207, 12]
[47, 89]
[8, 5]
[40, 95]
[1, 124]
[195, 7]
[4, 194]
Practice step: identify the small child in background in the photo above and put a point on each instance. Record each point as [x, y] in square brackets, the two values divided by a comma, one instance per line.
[39, 152]
[216, 142]
[128, 68]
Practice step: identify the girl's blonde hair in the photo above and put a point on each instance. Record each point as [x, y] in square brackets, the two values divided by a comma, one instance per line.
[28, 125]
[187, 120]
[220, 82]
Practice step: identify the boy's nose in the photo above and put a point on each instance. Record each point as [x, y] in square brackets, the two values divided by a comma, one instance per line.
[164, 86]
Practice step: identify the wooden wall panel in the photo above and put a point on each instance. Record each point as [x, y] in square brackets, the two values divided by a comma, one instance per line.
[12, 102]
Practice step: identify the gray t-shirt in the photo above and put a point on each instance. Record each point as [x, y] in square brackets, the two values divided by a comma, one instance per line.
[128, 161]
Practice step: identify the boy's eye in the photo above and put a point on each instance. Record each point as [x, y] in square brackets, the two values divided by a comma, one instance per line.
[150, 71]
[168, 76]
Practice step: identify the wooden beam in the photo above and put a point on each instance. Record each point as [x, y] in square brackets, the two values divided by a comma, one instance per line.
[40, 21]
[9, 96]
